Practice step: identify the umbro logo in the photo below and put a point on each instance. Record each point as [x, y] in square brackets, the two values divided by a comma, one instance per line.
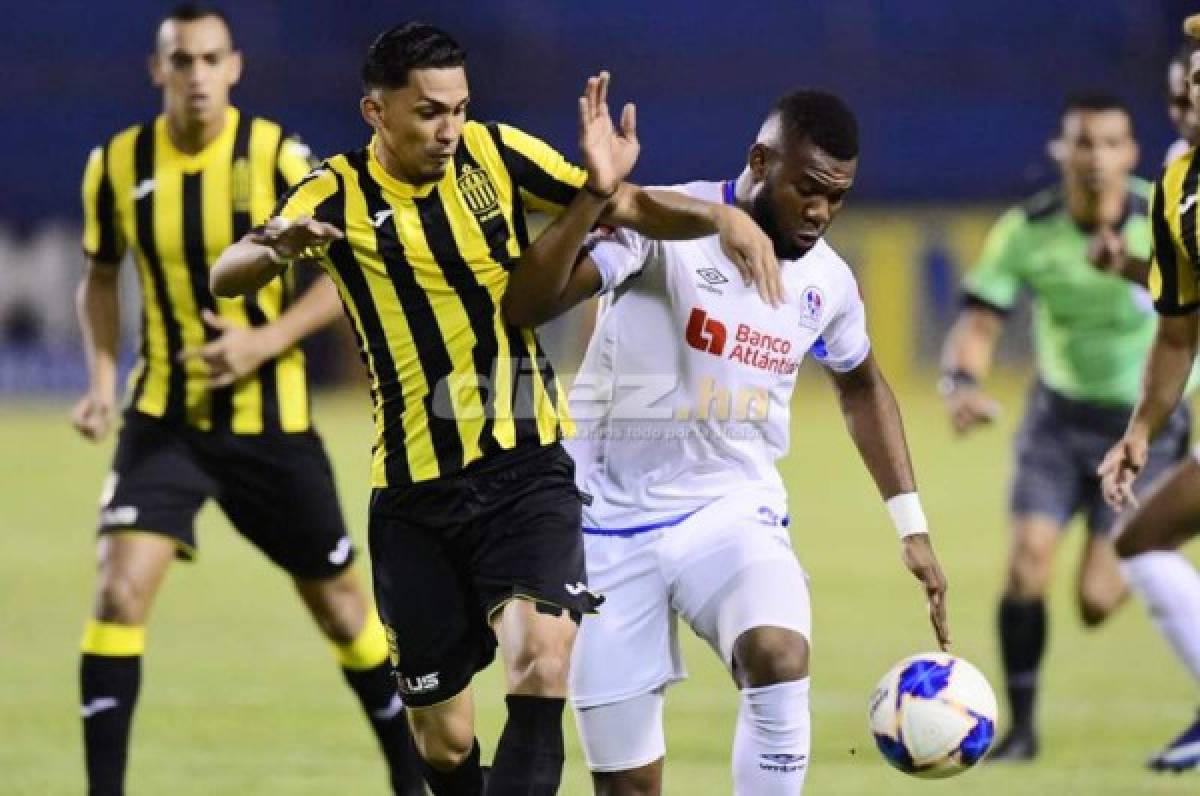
[97, 705]
[712, 276]
[338, 555]
[144, 189]
[379, 218]
[1187, 203]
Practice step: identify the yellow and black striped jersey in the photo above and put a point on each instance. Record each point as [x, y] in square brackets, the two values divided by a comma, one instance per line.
[422, 271]
[176, 213]
[1175, 268]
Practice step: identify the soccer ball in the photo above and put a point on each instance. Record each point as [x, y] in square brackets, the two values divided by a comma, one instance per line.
[933, 715]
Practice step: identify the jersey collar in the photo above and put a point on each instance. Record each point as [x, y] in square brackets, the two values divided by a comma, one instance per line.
[399, 188]
[219, 147]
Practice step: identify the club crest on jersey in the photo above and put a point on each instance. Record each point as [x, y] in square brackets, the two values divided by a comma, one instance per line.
[812, 304]
[240, 185]
[479, 193]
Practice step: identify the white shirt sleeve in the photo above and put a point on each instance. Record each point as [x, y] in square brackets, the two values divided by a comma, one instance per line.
[844, 344]
[619, 254]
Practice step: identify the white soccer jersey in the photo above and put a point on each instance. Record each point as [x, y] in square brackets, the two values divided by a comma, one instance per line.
[684, 395]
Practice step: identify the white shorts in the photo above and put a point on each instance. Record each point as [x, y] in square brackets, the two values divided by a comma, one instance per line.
[725, 569]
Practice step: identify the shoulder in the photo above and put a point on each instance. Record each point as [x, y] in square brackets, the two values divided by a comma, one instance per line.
[1042, 206]
[825, 268]
[704, 190]
[1140, 193]
[1176, 171]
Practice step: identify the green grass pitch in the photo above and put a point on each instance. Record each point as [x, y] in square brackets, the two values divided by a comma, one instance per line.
[241, 696]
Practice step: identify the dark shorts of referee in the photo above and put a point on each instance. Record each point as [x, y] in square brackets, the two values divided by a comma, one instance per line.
[1060, 444]
[276, 489]
[447, 554]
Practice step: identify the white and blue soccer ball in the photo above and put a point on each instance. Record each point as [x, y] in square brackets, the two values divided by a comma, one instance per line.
[933, 715]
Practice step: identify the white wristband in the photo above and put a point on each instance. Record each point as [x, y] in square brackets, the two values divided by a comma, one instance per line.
[907, 514]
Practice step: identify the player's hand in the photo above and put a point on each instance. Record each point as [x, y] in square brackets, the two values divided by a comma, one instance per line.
[970, 407]
[749, 248]
[236, 353]
[1107, 251]
[608, 153]
[1120, 469]
[290, 239]
[92, 414]
[917, 552]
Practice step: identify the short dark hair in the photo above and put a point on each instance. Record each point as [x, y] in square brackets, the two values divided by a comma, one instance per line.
[190, 12]
[403, 48]
[819, 117]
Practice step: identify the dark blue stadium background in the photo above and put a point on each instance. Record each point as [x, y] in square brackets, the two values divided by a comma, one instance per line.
[956, 98]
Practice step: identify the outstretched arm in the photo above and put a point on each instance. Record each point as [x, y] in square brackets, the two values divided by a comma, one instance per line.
[263, 254]
[873, 420]
[1167, 370]
[966, 361]
[553, 275]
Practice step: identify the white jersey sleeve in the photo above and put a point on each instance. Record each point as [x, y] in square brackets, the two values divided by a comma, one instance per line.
[619, 254]
[844, 343]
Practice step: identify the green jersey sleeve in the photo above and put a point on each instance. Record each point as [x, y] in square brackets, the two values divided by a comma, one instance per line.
[996, 277]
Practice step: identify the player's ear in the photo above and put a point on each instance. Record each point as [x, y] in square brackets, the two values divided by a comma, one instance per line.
[1056, 148]
[235, 67]
[372, 111]
[154, 67]
[757, 161]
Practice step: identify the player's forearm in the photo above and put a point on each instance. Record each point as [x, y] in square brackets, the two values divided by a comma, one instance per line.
[874, 423]
[540, 286]
[98, 308]
[971, 343]
[663, 215]
[318, 307]
[1168, 368]
[242, 268]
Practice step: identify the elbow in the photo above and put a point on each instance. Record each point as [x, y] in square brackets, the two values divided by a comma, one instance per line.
[521, 314]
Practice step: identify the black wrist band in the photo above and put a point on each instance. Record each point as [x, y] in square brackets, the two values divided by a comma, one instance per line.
[602, 196]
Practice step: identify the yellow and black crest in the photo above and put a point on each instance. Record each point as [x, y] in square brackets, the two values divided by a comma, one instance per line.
[479, 193]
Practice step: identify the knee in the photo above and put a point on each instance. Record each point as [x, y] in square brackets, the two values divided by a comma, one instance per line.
[121, 599]
[766, 656]
[540, 670]
[443, 745]
[1029, 568]
[338, 607]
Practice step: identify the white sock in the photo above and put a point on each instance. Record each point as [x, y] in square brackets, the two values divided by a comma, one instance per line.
[771, 745]
[1170, 587]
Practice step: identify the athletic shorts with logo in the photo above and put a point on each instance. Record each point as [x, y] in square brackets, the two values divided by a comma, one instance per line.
[276, 489]
[1060, 444]
[723, 569]
[447, 554]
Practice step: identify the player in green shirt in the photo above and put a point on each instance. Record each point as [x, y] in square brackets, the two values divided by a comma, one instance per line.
[1092, 329]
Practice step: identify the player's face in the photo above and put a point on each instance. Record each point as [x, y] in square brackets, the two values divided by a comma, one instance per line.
[1179, 104]
[1193, 87]
[196, 66]
[798, 192]
[1096, 151]
[420, 124]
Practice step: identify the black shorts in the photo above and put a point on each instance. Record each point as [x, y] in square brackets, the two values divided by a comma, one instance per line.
[277, 489]
[446, 554]
[1061, 443]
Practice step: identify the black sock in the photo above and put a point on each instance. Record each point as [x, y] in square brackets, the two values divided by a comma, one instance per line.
[376, 692]
[529, 757]
[465, 780]
[1022, 641]
[109, 690]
